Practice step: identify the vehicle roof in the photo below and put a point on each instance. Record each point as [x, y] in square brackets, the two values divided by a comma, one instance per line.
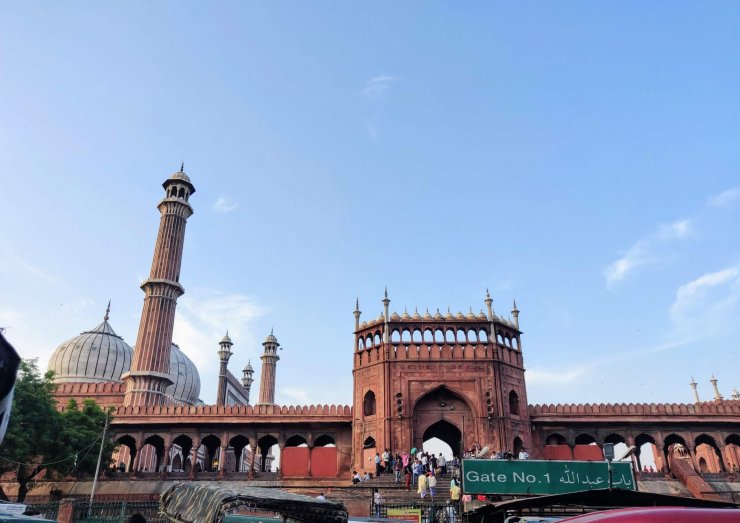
[660, 515]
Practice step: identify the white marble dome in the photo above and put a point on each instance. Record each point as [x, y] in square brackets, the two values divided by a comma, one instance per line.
[100, 355]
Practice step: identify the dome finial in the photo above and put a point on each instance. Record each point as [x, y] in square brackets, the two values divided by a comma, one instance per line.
[182, 167]
[357, 304]
[107, 312]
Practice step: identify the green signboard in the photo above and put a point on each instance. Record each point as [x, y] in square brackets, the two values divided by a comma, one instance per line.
[503, 476]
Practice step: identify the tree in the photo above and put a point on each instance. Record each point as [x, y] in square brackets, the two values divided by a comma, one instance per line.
[41, 439]
[34, 427]
[80, 426]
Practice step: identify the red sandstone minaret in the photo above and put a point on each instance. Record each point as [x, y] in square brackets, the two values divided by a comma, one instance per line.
[269, 365]
[149, 375]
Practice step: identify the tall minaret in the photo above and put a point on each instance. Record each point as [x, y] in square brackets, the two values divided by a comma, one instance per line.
[224, 353]
[269, 366]
[357, 314]
[150, 367]
[515, 313]
[247, 379]
[717, 395]
[693, 385]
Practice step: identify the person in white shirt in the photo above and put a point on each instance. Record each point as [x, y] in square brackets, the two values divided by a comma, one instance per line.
[523, 454]
[442, 464]
[377, 502]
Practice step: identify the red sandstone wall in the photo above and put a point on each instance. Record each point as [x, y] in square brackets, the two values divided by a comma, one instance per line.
[294, 462]
[324, 462]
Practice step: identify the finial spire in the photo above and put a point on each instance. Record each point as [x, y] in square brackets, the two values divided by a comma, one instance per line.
[488, 294]
[271, 331]
[386, 291]
[107, 312]
[182, 167]
[357, 304]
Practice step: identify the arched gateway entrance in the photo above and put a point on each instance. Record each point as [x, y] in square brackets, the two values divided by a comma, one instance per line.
[442, 413]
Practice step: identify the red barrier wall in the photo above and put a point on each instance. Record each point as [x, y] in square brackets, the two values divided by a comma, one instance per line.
[558, 452]
[324, 462]
[588, 453]
[294, 462]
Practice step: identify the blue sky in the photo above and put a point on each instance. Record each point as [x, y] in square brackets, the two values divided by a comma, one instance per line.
[579, 157]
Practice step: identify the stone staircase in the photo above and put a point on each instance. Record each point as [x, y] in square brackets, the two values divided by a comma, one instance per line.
[397, 493]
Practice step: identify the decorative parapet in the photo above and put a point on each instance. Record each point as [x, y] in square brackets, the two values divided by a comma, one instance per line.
[81, 388]
[201, 411]
[713, 408]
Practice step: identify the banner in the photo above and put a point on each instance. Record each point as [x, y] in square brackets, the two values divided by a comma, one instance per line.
[503, 476]
[405, 514]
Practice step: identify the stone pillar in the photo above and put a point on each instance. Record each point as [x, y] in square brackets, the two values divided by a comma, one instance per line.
[253, 448]
[722, 463]
[66, 511]
[166, 461]
[694, 461]
[194, 457]
[280, 470]
[221, 459]
[661, 465]
[310, 451]
[137, 458]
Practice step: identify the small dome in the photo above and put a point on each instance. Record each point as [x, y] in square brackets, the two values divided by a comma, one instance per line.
[185, 378]
[248, 367]
[471, 315]
[380, 319]
[180, 176]
[395, 316]
[427, 316]
[438, 315]
[98, 355]
[270, 339]
[459, 315]
[482, 316]
[406, 315]
[226, 338]
[363, 324]
[416, 315]
[449, 315]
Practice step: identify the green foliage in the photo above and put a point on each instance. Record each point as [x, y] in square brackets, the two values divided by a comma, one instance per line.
[80, 426]
[40, 438]
[34, 424]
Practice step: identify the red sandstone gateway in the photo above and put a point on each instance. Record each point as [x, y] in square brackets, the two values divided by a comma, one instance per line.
[660, 515]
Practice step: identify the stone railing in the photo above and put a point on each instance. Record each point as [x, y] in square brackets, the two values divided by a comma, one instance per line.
[718, 408]
[239, 410]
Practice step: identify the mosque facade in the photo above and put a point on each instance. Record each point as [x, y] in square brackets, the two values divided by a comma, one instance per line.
[458, 377]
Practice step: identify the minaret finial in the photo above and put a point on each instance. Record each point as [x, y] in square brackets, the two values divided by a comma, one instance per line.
[357, 304]
[107, 312]
[386, 291]
[488, 294]
[271, 331]
[182, 167]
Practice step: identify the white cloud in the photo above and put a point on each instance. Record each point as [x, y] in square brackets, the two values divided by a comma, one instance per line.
[11, 263]
[536, 376]
[693, 294]
[203, 317]
[724, 199]
[296, 396]
[224, 204]
[378, 85]
[675, 231]
[643, 251]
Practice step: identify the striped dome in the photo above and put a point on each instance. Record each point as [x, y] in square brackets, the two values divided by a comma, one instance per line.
[185, 378]
[95, 356]
[100, 355]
